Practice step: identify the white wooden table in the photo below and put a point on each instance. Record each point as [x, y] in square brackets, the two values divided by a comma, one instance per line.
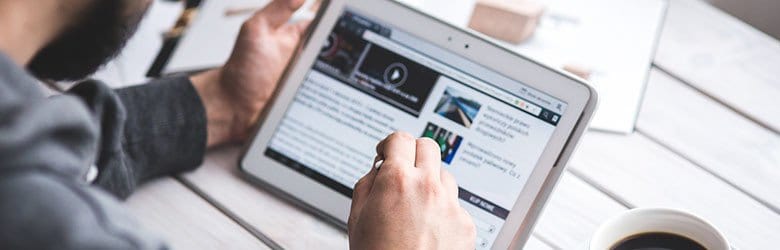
[708, 141]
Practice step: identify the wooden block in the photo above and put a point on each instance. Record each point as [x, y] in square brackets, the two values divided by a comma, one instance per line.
[578, 70]
[508, 20]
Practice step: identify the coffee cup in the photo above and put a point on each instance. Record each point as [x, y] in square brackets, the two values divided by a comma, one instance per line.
[657, 228]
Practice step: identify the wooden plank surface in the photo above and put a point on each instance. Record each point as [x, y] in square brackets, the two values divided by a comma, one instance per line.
[642, 173]
[573, 213]
[186, 221]
[720, 141]
[724, 58]
[285, 224]
[536, 244]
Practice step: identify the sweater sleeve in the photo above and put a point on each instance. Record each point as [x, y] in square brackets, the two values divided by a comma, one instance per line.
[148, 131]
[46, 145]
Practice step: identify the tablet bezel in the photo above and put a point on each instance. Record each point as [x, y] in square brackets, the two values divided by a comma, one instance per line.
[326, 202]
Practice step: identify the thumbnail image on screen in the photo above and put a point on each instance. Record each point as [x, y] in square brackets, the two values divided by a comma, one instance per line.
[447, 140]
[342, 50]
[454, 106]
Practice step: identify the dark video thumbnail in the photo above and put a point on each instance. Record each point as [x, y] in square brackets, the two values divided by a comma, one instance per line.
[448, 141]
[395, 79]
[454, 106]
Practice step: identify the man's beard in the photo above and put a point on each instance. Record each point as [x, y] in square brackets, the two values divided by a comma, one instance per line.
[98, 36]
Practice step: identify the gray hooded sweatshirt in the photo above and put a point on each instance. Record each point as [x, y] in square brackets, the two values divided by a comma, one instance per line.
[130, 135]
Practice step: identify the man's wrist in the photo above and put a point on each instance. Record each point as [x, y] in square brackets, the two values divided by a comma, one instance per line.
[224, 121]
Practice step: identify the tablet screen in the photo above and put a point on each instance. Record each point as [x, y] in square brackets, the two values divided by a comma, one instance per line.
[371, 79]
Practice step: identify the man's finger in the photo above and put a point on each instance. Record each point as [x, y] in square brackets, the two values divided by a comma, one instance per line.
[302, 25]
[380, 147]
[428, 155]
[364, 185]
[362, 189]
[278, 12]
[360, 193]
[397, 150]
[296, 30]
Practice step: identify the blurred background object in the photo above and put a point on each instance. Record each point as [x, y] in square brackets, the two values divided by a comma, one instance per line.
[510, 21]
[761, 14]
[134, 60]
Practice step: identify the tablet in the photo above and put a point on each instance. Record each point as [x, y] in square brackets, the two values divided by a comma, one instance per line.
[506, 125]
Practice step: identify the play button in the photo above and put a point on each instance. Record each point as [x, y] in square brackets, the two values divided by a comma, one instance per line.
[396, 74]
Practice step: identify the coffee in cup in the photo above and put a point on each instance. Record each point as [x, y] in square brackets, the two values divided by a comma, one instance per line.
[657, 228]
[657, 240]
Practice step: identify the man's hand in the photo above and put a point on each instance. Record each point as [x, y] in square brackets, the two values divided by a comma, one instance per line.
[410, 203]
[235, 94]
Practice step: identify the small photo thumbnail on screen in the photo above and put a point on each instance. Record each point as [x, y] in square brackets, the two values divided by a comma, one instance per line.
[448, 141]
[340, 53]
[458, 108]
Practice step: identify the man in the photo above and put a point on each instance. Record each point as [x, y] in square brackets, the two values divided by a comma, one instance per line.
[49, 146]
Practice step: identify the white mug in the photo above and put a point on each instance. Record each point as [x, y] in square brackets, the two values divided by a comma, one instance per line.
[662, 220]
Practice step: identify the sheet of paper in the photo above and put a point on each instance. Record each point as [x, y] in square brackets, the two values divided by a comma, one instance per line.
[614, 39]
